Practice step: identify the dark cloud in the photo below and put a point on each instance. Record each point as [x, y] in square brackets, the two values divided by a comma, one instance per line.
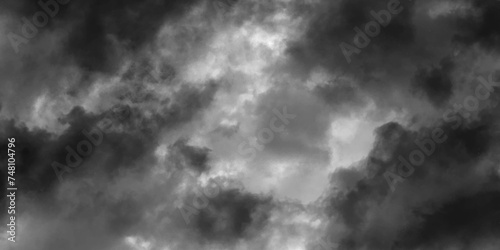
[31, 146]
[90, 41]
[97, 29]
[436, 83]
[340, 96]
[233, 215]
[379, 69]
[480, 25]
[467, 218]
[125, 140]
[156, 74]
[38, 149]
[335, 22]
[441, 203]
[227, 131]
[195, 158]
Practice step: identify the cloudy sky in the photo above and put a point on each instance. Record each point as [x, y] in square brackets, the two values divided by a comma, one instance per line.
[251, 124]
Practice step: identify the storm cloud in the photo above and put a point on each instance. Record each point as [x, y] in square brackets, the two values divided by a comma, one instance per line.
[224, 124]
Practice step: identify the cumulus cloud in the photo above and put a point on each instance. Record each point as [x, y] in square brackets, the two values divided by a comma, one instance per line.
[232, 124]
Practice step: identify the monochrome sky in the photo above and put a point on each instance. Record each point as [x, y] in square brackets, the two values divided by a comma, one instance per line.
[188, 86]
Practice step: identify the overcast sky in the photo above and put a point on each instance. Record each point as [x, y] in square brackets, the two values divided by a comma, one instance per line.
[251, 124]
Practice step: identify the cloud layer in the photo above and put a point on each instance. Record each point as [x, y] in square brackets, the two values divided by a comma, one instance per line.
[246, 125]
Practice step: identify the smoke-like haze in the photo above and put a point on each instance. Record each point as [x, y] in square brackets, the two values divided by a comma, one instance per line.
[251, 124]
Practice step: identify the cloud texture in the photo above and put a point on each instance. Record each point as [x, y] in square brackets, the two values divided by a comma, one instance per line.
[243, 124]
